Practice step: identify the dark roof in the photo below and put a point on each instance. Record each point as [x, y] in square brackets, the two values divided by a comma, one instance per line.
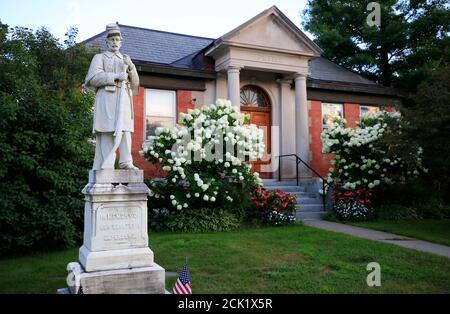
[153, 46]
[179, 51]
[326, 70]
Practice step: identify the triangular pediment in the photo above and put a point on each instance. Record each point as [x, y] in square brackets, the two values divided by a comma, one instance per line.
[271, 30]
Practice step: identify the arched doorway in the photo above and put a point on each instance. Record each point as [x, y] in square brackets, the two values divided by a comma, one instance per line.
[256, 103]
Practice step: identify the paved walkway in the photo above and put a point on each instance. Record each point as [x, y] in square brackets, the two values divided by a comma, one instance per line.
[381, 236]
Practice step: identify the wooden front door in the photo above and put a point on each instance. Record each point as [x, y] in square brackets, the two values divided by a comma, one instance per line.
[261, 117]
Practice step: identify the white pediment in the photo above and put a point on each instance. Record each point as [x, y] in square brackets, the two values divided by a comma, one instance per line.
[270, 34]
[271, 30]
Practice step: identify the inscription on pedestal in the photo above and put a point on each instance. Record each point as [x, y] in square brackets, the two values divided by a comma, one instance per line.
[120, 226]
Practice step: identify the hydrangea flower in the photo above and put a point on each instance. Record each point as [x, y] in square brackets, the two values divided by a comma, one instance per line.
[361, 156]
[209, 148]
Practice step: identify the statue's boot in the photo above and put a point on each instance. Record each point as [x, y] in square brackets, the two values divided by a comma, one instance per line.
[128, 165]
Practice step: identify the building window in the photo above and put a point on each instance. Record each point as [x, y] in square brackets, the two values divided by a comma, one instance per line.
[160, 110]
[330, 112]
[253, 96]
[367, 109]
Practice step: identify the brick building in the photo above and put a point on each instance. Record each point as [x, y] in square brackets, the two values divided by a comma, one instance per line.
[267, 66]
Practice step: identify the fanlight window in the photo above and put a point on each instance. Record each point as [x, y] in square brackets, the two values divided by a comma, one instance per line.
[253, 96]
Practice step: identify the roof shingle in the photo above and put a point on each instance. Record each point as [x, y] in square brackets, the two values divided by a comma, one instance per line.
[179, 50]
[153, 46]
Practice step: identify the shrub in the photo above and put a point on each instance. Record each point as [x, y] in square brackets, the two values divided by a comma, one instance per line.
[409, 194]
[197, 165]
[273, 207]
[206, 159]
[429, 121]
[44, 130]
[413, 200]
[372, 154]
[192, 220]
[397, 212]
[434, 208]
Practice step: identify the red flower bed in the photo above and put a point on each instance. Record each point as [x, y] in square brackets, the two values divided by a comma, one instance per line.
[360, 196]
[274, 206]
[353, 205]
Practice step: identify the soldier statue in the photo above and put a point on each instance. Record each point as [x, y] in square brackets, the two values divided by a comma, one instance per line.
[114, 79]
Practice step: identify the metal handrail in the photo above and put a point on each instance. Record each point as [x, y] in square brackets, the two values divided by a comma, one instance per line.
[298, 161]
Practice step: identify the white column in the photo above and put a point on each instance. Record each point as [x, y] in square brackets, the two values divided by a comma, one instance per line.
[234, 88]
[287, 127]
[221, 86]
[301, 121]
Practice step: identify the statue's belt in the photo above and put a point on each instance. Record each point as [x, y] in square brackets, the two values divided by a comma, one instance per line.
[119, 84]
[112, 88]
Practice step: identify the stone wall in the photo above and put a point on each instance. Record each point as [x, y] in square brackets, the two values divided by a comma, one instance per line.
[319, 161]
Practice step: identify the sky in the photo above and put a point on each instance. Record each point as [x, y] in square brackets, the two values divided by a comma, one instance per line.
[206, 18]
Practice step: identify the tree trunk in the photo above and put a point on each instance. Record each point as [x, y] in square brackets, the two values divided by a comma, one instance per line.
[385, 68]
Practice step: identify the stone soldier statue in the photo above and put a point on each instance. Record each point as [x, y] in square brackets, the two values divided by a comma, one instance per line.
[114, 79]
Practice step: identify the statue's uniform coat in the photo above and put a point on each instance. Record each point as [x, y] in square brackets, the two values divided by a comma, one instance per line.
[100, 79]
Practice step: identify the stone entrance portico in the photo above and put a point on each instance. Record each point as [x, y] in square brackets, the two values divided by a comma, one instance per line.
[270, 44]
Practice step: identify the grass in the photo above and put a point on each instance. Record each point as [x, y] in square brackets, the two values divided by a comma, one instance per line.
[295, 259]
[433, 230]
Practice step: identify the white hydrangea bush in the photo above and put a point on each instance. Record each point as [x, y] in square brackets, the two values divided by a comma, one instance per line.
[372, 154]
[205, 156]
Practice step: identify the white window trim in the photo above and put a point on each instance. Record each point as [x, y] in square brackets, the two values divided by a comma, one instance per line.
[175, 106]
[330, 103]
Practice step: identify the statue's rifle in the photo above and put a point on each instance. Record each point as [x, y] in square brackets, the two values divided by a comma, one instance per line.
[118, 131]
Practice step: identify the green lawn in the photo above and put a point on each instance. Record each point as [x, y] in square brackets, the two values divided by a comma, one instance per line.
[433, 230]
[296, 259]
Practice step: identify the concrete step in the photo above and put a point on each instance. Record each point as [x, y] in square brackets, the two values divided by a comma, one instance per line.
[302, 181]
[272, 182]
[307, 194]
[288, 189]
[311, 207]
[309, 200]
[317, 215]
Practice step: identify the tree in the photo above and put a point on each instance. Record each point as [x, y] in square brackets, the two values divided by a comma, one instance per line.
[410, 42]
[44, 130]
[430, 125]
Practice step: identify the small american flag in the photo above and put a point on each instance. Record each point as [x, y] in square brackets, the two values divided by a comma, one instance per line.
[183, 284]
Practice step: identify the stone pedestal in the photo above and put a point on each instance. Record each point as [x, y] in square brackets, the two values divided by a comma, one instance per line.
[141, 280]
[115, 257]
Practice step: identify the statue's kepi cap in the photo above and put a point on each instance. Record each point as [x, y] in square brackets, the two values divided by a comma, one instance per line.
[113, 29]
